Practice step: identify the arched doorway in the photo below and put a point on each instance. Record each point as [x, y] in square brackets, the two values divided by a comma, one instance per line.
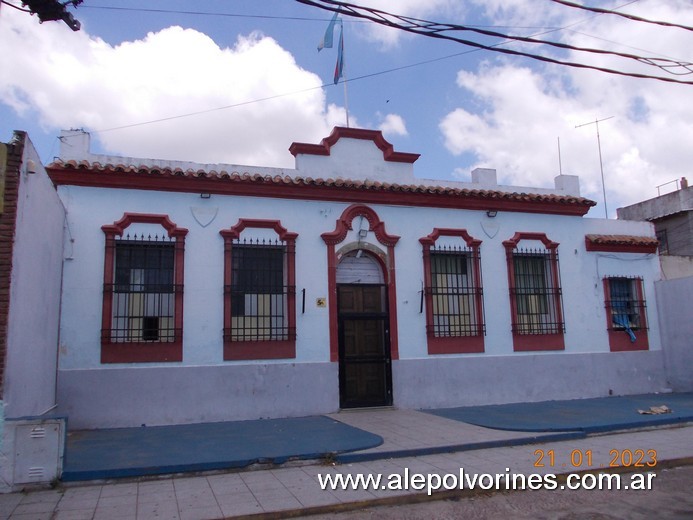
[365, 371]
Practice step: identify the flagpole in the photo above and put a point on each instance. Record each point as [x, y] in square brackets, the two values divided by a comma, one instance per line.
[344, 76]
[339, 68]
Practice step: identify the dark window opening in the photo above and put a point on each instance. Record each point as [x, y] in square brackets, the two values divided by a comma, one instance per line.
[259, 291]
[144, 290]
[454, 292]
[536, 296]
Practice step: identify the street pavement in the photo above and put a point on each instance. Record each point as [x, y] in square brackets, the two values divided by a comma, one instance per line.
[413, 442]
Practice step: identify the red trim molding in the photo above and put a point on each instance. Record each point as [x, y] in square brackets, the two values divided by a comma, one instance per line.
[331, 239]
[141, 352]
[535, 342]
[621, 244]
[246, 350]
[457, 344]
[389, 153]
[512, 242]
[282, 187]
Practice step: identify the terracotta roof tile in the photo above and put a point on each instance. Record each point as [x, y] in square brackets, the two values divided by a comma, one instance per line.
[60, 172]
[621, 243]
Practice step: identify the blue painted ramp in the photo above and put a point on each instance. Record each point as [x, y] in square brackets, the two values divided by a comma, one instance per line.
[152, 450]
[602, 414]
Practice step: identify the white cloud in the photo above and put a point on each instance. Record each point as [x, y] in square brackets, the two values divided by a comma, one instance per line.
[77, 80]
[389, 37]
[518, 110]
[393, 124]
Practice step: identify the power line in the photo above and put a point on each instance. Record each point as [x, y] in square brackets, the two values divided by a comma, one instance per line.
[624, 15]
[436, 30]
[15, 6]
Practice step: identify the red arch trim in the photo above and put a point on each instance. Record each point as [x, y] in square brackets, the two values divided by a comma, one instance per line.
[344, 224]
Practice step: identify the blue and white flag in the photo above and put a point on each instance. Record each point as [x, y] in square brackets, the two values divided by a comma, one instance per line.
[329, 34]
[339, 67]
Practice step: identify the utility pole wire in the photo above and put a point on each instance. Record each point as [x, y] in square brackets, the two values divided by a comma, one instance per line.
[435, 30]
[624, 15]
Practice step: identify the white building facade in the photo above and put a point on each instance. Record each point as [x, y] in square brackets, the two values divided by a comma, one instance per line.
[198, 293]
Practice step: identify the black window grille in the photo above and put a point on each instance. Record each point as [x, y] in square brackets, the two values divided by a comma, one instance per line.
[455, 294]
[258, 291]
[143, 290]
[537, 293]
[625, 304]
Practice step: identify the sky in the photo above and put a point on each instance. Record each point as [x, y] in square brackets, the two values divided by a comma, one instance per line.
[238, 81]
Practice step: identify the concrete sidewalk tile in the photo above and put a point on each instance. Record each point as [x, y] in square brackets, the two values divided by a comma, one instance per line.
[238, 508]
[152, 496]
[8, 503]
[201, 513]
[75, 514]
[121, 512]
[314, 497]
[190, 483]
[263, 482]
[152, 510]
[119, 489]
[204, 499]
[47, 497]
[155, 486]
[280, 504]
[82, 492]
[353, 495]
[271, 494]
[32, 516]
[74, 504]
[34, 508]
[225, 484]
[117, 501]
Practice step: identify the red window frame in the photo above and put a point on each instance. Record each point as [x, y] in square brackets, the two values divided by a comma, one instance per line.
[453, 344]
[523, 342]
[141, 351]
[619, 339]
[263, 349]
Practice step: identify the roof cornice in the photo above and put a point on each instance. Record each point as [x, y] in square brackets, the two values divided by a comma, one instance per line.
[83, 173]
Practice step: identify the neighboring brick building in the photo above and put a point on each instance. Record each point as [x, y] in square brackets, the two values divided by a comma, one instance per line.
[31, 257]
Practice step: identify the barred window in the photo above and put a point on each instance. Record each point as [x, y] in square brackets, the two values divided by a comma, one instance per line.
[454, 292]
[259, 291]
[143, 290]
[625, 305]
[536, 292]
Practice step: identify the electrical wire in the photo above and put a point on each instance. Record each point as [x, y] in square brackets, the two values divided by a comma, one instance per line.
[624, 15]
[15, 6]
[435, 30]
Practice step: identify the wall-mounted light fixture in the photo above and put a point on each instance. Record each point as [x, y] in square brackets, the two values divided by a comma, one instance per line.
[205, 195]
[363, 233]
[491, 213]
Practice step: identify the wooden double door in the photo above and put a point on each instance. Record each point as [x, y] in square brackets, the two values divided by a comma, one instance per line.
[365, 369]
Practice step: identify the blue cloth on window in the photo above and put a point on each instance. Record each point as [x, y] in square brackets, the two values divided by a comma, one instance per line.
[623, 321]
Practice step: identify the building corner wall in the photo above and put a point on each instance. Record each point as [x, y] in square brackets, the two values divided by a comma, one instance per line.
[31, 256]
[673, 297]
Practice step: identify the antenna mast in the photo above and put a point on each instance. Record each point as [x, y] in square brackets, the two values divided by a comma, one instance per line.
[601, 165]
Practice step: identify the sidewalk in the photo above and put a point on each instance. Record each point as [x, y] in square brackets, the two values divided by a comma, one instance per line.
[414, 442]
